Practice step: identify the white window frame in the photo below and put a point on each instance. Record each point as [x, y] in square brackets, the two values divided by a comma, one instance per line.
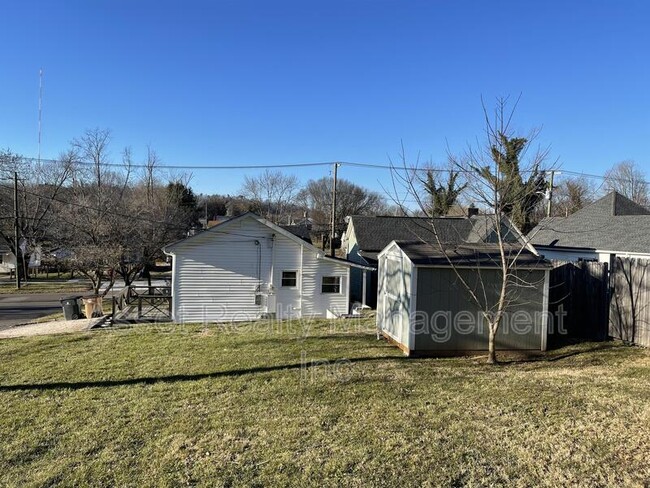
[295, 271]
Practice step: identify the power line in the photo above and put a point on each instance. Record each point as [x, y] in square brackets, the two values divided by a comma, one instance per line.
[227, 167]
[351, 164]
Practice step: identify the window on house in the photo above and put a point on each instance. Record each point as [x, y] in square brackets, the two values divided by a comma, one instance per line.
[331, 284]
[289, 278]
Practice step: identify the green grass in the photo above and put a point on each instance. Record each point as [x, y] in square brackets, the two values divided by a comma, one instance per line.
[52, 286]
[317, 404]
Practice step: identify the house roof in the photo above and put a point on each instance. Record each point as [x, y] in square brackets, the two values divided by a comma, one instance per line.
[300, 230]
[374, 233]
[484, 255]
[612, 223]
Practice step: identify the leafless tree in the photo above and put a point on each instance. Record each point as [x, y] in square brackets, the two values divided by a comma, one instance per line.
[485, 166]
[93, 219]
[571, 195]
[40, 183]
[351, 199]
[630, 181]
[274, 192]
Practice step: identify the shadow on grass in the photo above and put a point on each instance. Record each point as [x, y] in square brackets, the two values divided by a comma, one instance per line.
[188, 377]
[550, 358]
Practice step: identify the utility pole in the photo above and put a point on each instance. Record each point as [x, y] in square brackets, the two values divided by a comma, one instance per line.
[333, 230]
[549, 204]
[16, 230]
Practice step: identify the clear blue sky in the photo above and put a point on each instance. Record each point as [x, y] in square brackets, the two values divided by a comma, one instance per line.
[256, 82]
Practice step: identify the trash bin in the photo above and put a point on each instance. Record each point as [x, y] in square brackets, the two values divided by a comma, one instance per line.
[93, 305]
[71, 310]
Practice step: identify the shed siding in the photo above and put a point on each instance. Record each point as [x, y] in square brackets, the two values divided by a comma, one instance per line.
[442, 298]
[216, 274]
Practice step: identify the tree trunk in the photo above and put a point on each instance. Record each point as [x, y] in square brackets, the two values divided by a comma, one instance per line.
[492, 356]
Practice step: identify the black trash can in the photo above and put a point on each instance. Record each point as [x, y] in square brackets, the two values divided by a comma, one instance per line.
[71, 310]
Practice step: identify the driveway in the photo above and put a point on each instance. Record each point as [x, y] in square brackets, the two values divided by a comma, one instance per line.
[21, 309]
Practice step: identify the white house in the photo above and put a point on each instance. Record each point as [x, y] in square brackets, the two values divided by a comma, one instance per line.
[7, 259]
[249, 268]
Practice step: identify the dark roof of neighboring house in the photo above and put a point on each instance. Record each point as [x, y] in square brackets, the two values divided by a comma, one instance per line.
[300, 230]
[485, 255]
[374, 233]
[612, 223]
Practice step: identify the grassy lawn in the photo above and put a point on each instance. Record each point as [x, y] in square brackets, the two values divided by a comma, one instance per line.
[320, 403]
[50, 286]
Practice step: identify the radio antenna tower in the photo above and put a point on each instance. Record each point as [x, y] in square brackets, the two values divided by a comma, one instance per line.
[40, 110]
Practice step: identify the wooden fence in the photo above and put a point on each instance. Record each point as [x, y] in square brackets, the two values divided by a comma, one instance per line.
[629, 308]
[578, 301]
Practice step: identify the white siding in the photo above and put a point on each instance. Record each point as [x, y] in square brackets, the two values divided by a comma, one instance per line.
[566, 254]
[316, 303]
[8, 262]
[216, 274]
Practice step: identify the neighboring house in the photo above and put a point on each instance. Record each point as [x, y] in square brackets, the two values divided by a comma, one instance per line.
[609, 227]
[365, 237]
[424, 307]
[300, 230]
[249, 268]
[7, 259]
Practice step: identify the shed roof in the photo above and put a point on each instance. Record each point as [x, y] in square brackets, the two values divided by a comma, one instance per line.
[484, 255]
[612, 223]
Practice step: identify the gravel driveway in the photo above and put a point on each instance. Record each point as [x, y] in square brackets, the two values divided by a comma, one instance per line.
[46, 328]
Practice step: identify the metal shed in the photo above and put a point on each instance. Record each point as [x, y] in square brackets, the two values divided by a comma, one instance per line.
[425, 309]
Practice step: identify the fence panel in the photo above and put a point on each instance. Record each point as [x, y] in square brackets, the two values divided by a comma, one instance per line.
[629, 311]
[578, 300]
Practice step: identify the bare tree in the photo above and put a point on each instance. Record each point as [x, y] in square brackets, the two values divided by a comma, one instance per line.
[494, 170]
[274, 193]
[351, 199]
[94, 222]
[630, 181]
[40, 183]
[571, 195]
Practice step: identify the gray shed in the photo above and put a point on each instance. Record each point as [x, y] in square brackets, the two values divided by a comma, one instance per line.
[424, 307]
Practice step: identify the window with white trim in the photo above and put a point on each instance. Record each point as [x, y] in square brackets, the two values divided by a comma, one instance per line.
[331, 284]
[289, 279]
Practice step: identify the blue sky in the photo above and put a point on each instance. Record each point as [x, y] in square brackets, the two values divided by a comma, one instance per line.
[245, 82]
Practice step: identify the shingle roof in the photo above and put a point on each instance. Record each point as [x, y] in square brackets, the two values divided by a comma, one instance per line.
[485, 255]
[374, 233]
[613, 223]
[299, 230]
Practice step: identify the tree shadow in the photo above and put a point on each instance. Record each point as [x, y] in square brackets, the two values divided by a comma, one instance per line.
[550, 358]
[150, 380]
